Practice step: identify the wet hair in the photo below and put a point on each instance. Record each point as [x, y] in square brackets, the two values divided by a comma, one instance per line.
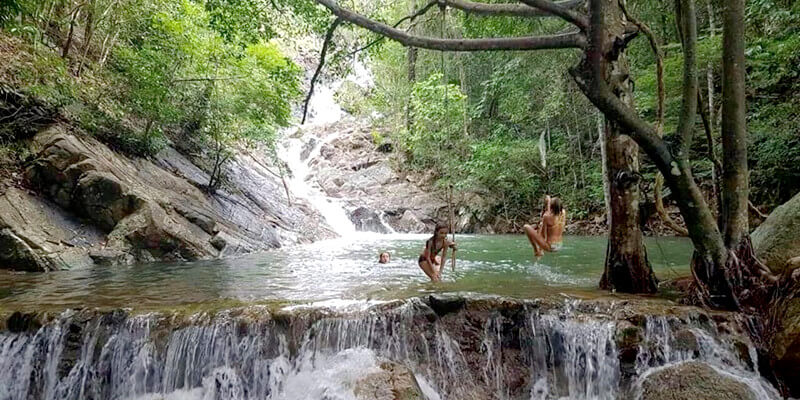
[556, 206]
[439, 226]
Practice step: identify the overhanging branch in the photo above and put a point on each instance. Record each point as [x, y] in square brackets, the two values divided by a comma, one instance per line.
[564, 41]
[508, 9]
[558, 10]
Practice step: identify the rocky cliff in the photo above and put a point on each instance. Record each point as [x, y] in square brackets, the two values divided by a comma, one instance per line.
[77, 202]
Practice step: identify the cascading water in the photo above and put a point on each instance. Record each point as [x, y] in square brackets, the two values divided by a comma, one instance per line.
[323, 111]
[497, 349]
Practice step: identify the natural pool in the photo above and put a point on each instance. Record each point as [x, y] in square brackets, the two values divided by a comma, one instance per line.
[342, 269]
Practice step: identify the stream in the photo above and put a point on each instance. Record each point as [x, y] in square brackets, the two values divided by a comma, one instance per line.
[327, 321]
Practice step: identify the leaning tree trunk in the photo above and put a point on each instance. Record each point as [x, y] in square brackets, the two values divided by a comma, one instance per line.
[626, 268]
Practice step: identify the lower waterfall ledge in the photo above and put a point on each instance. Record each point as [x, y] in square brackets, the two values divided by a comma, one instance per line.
[481, 348]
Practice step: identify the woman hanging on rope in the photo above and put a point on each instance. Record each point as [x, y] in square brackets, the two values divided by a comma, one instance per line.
[549, 236]
[430, 261]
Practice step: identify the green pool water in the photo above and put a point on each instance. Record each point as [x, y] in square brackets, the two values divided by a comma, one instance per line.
[337, 270]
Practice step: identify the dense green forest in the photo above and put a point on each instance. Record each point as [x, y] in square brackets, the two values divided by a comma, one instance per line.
[478, 119]
[138, 73]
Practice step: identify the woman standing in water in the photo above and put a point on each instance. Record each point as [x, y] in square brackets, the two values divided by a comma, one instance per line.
[429, 260]
[551, 229]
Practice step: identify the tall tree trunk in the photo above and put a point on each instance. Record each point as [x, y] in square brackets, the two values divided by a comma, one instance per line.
[626, 267]
[68, 43]
[735, 182]
[88, 31]
[710, 70]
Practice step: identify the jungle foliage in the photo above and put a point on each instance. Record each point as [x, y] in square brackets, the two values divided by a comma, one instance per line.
[517, 127]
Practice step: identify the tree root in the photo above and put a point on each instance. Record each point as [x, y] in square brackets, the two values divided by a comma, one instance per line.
[744, 283]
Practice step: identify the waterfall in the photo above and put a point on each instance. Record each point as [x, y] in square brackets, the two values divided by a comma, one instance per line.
[500, 350]
[324, 111]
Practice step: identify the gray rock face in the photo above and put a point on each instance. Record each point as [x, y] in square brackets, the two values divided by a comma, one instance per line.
[353, 168]
[693, 380]
[777, 240]
[102, 207]
[366, 220]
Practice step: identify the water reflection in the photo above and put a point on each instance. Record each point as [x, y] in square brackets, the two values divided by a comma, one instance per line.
[336, 269]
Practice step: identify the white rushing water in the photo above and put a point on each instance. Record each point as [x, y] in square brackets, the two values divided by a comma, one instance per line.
[298, 355]
[323, 111]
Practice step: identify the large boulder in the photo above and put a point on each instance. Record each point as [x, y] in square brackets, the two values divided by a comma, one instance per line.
[392, 382]
[366, 220]
[693, 380]
[777, 240]
[409, 222]
[36, 235]
[785, 344]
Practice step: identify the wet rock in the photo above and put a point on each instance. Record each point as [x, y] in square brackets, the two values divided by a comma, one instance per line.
[443, 304]
[351, 167]
[19, 322]
[392, 382]
[18, 255]
[307, 148]
[629, 338]
[111, 257]
[785, 344]
[366, 220]
[776, 240]
[409, 222]
[36, 235]
[685, 341]
[145, 210]
[693, 380]
[152, 229]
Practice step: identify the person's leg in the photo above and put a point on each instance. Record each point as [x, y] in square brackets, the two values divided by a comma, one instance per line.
[429, 270]
[537, 241]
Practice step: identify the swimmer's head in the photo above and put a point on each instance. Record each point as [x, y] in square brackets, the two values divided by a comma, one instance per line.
[383, 258]
[556, 206]
[441, 230]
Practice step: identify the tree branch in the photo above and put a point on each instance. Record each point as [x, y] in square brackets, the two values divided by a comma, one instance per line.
[508, 9]
[325, 45]
[411, 17]
[558, 10]
[564, 41]
[659, 55]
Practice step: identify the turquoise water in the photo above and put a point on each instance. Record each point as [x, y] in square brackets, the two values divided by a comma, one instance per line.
[338, 270]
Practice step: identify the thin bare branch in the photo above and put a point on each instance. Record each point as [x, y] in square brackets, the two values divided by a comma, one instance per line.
[325, 45]
[564, 41]
[558, 10]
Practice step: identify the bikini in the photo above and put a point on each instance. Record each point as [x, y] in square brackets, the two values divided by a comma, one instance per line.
[435, 250]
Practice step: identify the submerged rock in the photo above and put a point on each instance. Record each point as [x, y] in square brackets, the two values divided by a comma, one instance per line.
[776, 241]
[393, 382]
[693, 380]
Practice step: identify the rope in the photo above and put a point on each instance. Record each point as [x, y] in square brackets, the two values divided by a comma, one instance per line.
[449, 191]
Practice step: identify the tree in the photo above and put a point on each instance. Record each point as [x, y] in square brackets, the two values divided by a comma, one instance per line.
[726, 273]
